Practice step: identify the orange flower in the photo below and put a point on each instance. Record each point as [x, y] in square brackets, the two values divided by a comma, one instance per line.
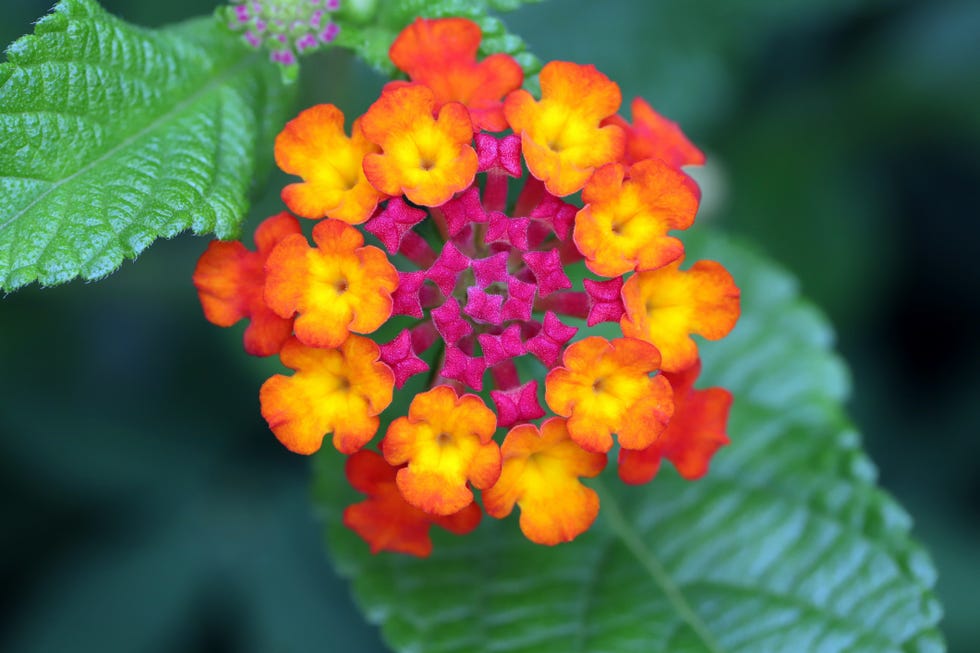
[654, 137]
[446, 440]
[540, 474]
[385, 520]
[561, 135]
[334, 390]
[338, 287]
[665, 306]
[442, 55]
[313, 146]
[695, 432]
[230, 281]
[604, 387]
[428, 159]
[624, 223]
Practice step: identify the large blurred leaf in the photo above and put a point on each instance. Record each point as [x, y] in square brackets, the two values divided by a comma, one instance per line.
[786, 545]
[112, 136]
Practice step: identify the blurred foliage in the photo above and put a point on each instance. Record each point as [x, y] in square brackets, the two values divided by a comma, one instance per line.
[149, 509]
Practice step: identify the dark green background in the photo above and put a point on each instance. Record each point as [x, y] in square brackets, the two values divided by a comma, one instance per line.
[146, 507]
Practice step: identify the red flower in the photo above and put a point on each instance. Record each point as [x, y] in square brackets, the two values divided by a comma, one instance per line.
[694, 434]
[651, 136]
[230, 282]
[385, 520]
[441, 54]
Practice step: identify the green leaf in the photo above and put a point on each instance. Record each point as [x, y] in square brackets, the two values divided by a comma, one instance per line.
[786, 544]
[369, 27]
[112, 136]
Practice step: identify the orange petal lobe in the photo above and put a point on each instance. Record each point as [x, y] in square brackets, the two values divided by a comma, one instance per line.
[446, 441]
[561, 135]
[665, 306]
[337, 287]
[385, 520]
[624, 224]
[651, 136]
[230, 280]
[441, 54]
[540, 474]
[313, 146]
[339, 391]
[426, 158]
[695, 433]
[604, 387]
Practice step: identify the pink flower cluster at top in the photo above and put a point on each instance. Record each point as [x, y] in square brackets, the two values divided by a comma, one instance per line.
[469, 184]
[286, 29]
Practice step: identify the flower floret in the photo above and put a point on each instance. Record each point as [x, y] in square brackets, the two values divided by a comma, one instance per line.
[385, 520]
[337, 287]
[562, 138]
[441, 54]
[340, 391]
[313, 146]
[651, 136]
[624, 224]
[445, 441]
[230, 282]
[426, 158]
[604, 387]
[665, 306]
[695, 433]
[540, 474]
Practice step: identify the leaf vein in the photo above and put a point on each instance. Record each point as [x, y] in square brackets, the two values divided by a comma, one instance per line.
[613, 515]
[824, 615]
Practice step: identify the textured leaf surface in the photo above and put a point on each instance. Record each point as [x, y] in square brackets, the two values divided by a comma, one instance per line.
[371, 34]
[785, 546]
[112, 136]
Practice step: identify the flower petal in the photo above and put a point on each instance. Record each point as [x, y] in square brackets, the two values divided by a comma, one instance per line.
[426, 158]
[561, 135]
[665, 306]
[604, 387]
[230, 281]
[540, 474]
[333, 390]
[336, 288]
[445, 442]
[313, 146]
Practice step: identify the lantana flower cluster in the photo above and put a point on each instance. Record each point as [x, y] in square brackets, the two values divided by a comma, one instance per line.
[525, 245]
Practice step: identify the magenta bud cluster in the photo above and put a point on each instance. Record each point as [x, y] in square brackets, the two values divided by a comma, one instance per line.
[477, 296]
[286, 29]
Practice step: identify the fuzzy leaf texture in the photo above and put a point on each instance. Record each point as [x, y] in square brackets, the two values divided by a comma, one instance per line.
[785, 546]
[369, 27]
[112, 136]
